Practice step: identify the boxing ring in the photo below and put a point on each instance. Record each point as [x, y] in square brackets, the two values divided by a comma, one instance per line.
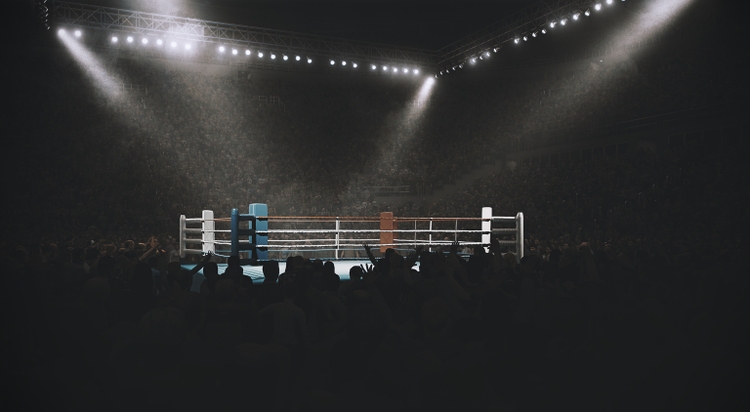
[257, 237]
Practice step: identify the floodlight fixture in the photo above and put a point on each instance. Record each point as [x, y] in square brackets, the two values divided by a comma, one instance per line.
[343, 62]
[221, 49]
[114, 39]
[159, 42]
[373, 67]
[552, 24]
[297, 57]
[415, 71]
[395, 70]
[534, 34]
[544, 31]
[516, 40]
[234, 52]
[525, 38]
[385, 68]
[285, 57]
[77, 33]
[405, 70]
[354, 65]
[309, 60]
[332, 62]
[273, 56]
[598, 6]
[144, 40]
[609, 1]
[496, 49]
[61, 32]
[174, 44]
[576, 16]
[486, 54]
[260, 54]
[247, 52]
[130, 39]
[563, 21]
[587, 12]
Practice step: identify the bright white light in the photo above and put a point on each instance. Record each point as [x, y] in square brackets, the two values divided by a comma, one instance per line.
[598, 6]
[343, 62]
[486, 54]
[563, 21]
[221, 49]
[587, 13]
[159, 42]
[297, 58]
[373, 67]
[516, 40]
[247, 52]
[285, 57]
[332, 62]
[130, 39]
[144, 40]
[61, 32]
[609, 1]
[473, 60]
[552, 24]
[309, 60]
[406, 70]
[188, 46]
[525, 38]
[385, 68]
[114, 39]
[173, 44]
[234, 52]
[77, 33]
[395, 70]
[533, 34]
[544, 31]
[416, 71]
[273, 56]
[260, 54]
[354, 65]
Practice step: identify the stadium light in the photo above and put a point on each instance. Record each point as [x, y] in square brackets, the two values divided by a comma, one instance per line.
[534, 34]
[77, 33]
[516, 40]
[114, 39]
[332, 62]
[174, 44]
[496, 49]
[587, 12]
[130, 39]
[406, 70]
[486, 54]
[598, 6]
[373, 67]
[525, 38]
[188, 46]
[247, 52]
[285, 57]
[260, 54]
[576, 16]
[552, 24]
[234, 52]
[309, 60]
[343, 62]
[544, 31]
[354, 65]
[221, 49]
[297, 58]
[609, 1]
[144, 41]
[159, 42]
[563, 21]
[395, 70]
[473, 60]
[385, 68]
[61, 32]
[416, 71]
[273, 56]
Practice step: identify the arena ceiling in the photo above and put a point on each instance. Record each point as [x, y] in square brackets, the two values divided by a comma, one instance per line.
[424, 24]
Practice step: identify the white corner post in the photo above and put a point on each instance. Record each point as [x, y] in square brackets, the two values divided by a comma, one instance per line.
[487, 228]
[208, 234]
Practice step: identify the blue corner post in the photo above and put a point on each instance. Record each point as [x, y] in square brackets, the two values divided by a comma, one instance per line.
[259, 222]
[235, 225]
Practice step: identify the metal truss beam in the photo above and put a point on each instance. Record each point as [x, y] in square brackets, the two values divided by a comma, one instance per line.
[113, 19]
[524, 22]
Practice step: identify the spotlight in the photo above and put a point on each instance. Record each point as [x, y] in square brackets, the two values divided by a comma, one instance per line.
[534, 34]
[563, 21]
[461, 66]
[260, 54]
[598, 6]
[395, 70]
[273, 56]
[77, 33]
[609, 1]
[247, 52]
[130, 39]
[436, 76]
[552, 24]
[576, 16]
[441, 72]
[285, 57]
[373, 67]
[188, 46]
[486, 54]
[144, 40]
[406, 70]
[354, 65]
[234, 52]
[174, 44]
[221, 49]
[454, 68]
[415, 71]
[544, 31]
[385, 68]
[481, 57]
[61, 32]
[587, 13]
[297, 58]
[114, 39]
[332, 62]
[525, 38]
[516, 40]
[343, 62]
[496, 49]
[309, 60]
[159, 42]
[473, 60]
